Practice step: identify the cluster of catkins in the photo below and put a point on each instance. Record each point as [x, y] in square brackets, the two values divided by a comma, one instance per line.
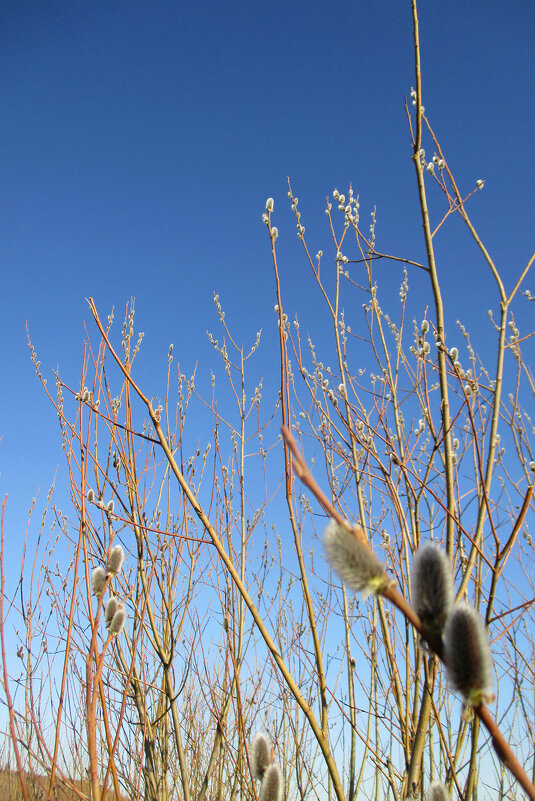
[264, 769]
[464, 638]
[466, 648]
[114, 613]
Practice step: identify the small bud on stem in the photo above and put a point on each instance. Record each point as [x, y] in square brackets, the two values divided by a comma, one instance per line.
[118, 621]
[432, 587]
[467, 655]
[98, 580]
[111, 608]
[116, 559]
[353, 561]
[437, 792]
[260, 755]
[271, 788]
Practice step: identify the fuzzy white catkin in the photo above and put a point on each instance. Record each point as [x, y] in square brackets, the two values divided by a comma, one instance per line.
[115, 561]
[271, 787]
[260, 755]
[111, 608]
[118, 621]
[98, 580]
[467, 655]
[90, 496]
[432, 587]
[354, 562]
[437, 792]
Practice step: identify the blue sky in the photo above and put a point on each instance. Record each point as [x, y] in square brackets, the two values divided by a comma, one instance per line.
[140, 141]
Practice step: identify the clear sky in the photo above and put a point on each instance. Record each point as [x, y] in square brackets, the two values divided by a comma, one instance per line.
[141, 139]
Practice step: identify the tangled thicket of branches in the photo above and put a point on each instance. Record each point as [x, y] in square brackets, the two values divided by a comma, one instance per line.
[233, 622]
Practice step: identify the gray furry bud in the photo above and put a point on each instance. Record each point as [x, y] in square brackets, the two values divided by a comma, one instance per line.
[432, 587]
[354, 561]
[116, 559]
[260, 755]
[111, 608]
[467, 655]
[271, 787]
[437, 792]
[98, 580]
[90, 496]
[118, 621]
[110, 506]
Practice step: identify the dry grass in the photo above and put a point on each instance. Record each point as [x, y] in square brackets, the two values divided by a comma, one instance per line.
[10, 789]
